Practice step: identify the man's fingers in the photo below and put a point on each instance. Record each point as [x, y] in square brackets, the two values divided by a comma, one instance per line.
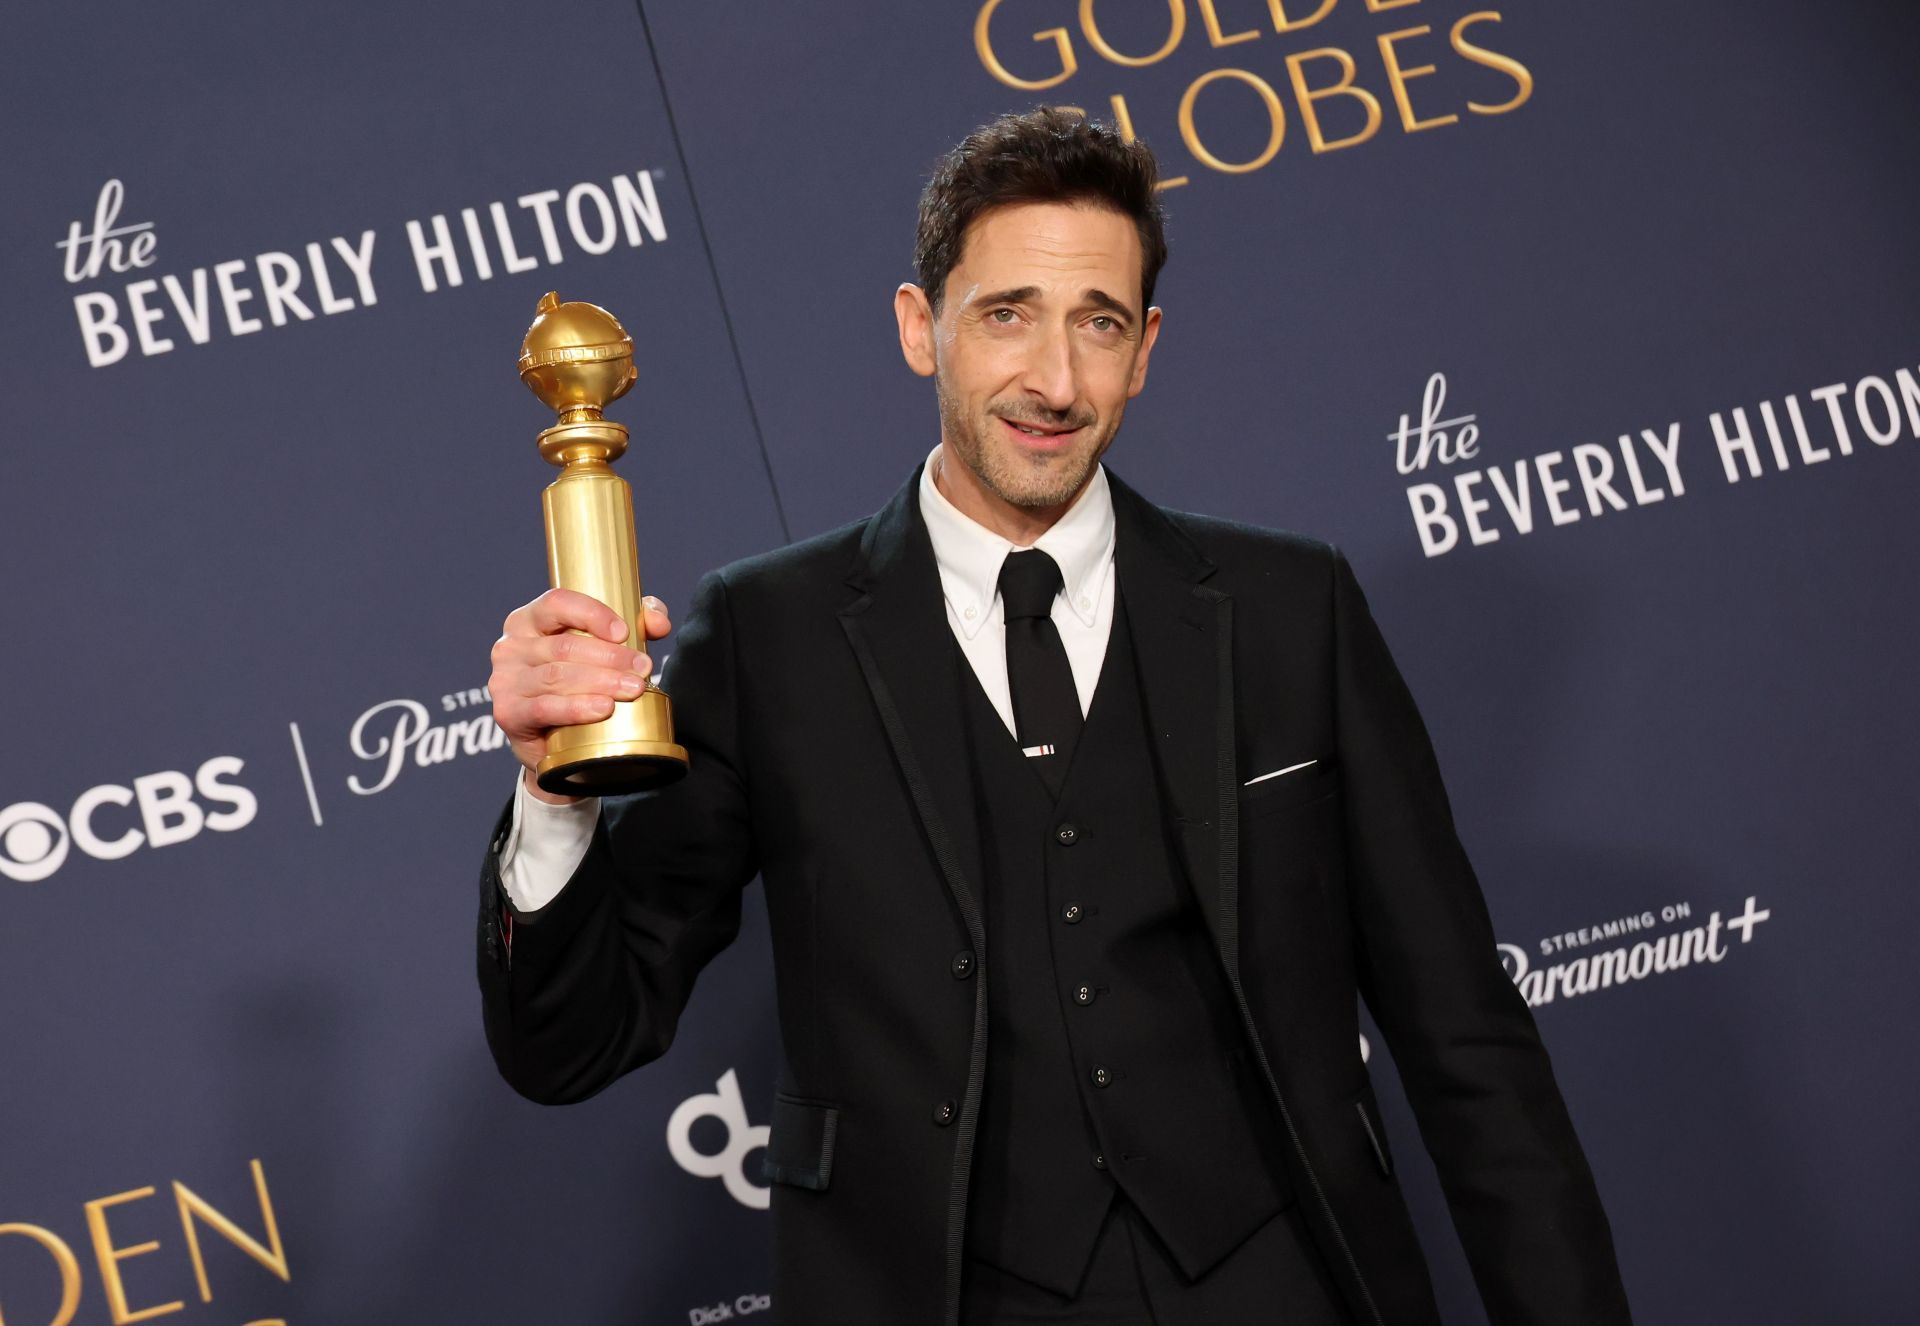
[511, 652]
[580, 679]
[559, 662]
[549, 711]
[571, 648]
[566, 610]
[657, 623]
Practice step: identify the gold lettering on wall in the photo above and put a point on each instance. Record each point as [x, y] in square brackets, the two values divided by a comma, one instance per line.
[110, 1258]
[63, 1258]
[983, 45]
[1214, 34]
[1124, 123]
[1308, 96]
[1275, 111]
[1339, 88]
[1398, 77]
[195, 1212]
[273, 1256]
[1282, 25]
[1512, 68]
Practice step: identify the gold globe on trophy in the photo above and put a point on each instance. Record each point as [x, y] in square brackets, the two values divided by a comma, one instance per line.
[577, 357]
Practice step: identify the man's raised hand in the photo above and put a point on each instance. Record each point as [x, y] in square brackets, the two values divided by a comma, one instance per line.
[545, 675]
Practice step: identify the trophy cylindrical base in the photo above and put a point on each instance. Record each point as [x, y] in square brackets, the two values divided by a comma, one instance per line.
[612, 770]
[631, 751]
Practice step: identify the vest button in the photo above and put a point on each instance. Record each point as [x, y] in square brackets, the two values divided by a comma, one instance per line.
[1099, 1161]
[1083, 995]
[944, 1113]
[1066, 835]
[1101, 1077]
[962, 966]
[1071, 913]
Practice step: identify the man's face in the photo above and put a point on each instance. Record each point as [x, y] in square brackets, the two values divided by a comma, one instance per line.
[1041, 329]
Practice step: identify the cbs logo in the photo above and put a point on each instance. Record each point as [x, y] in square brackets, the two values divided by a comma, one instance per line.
[35, 839]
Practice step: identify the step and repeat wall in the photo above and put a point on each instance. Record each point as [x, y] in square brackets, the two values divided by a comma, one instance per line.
[1590, 332]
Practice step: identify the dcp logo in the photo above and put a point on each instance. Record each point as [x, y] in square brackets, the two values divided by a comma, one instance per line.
[730, 1162]
[35, 839]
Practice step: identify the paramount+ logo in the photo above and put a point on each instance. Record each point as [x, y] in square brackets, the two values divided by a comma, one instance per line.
[115, 820]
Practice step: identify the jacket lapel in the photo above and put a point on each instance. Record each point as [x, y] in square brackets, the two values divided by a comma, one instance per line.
[1183, 639]
[897, 625]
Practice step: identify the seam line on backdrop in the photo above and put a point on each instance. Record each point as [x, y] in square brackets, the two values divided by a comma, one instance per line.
[706, 247]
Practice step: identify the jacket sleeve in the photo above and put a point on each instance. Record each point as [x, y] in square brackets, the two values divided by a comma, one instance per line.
[593, 984]
[1478, 1078]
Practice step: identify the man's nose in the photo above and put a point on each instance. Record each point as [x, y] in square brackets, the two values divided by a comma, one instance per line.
[1050, 371]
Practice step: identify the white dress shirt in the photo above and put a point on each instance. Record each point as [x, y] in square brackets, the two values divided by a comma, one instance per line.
[545, 842]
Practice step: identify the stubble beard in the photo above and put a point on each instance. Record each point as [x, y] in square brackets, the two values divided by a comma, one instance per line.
[1028, 483]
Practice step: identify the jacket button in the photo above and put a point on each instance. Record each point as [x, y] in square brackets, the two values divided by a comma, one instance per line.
[1071, 913]
[1083, 995]
[962, 966]
[1101, 1077]
[1066, 835]
[1099, 1161]
[944, 1113]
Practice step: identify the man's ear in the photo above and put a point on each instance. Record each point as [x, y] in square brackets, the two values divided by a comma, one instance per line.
[915, 316]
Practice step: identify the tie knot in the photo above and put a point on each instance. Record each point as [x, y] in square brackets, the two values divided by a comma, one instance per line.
[1029, 579]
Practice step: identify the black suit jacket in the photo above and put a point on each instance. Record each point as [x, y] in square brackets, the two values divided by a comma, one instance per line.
[814, 690]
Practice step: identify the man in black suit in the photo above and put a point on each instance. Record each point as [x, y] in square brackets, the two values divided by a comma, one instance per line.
[1084, 826]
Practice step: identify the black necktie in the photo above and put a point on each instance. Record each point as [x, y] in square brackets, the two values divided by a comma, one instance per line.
[1046, 707]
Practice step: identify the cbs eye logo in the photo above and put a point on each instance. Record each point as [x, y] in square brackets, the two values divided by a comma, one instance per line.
[166, 808]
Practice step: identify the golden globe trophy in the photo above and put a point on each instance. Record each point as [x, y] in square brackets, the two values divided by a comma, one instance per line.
[577, 357]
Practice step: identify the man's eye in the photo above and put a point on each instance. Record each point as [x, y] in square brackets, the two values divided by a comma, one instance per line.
[1109, 321]
[995, 314]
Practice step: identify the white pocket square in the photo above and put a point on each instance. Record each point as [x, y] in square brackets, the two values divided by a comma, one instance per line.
[1277, 772]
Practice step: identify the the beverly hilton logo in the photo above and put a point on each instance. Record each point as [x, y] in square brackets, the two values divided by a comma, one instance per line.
[170, 310]
[1464, 500]
[1552, 488]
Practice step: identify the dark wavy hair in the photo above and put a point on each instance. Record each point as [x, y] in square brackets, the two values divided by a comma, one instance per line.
[1047, 155]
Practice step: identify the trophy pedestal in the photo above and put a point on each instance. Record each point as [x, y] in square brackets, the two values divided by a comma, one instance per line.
[632, 751]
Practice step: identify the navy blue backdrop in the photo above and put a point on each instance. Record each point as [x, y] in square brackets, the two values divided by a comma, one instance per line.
[1589, 332]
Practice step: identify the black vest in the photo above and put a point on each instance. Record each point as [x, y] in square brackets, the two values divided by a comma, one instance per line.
[1115, 1058]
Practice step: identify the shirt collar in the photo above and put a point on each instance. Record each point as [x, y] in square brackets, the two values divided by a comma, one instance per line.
[969, 554]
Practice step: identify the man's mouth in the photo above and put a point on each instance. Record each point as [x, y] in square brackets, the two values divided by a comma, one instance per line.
[1040, 435]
